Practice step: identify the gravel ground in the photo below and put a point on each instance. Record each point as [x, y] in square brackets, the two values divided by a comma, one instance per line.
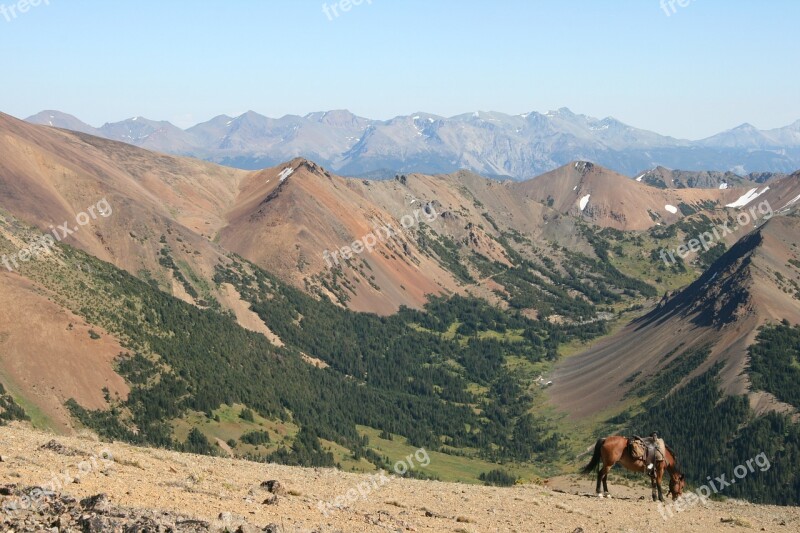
[211, 494]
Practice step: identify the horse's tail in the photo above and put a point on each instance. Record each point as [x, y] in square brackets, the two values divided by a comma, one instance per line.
[592, 466]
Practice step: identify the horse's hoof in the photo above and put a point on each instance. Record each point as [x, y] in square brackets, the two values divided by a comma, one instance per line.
[599, 494]
[608, 495]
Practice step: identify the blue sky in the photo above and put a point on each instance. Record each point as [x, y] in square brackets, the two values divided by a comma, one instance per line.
[708, 66]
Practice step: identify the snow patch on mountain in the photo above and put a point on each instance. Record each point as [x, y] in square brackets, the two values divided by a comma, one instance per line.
[285, 173]
[795, 199]
[748, 197]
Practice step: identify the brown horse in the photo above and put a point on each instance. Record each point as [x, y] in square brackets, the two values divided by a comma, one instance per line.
[616, 449]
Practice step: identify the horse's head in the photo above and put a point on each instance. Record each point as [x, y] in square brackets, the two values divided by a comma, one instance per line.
[677, 482]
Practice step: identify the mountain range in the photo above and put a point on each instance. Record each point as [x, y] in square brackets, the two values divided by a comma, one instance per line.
[489, 143]
[271, 315]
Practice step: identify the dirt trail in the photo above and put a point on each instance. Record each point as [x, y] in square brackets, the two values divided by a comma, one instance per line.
[210, 488]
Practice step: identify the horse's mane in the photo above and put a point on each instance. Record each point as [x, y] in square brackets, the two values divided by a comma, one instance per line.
[674, 455]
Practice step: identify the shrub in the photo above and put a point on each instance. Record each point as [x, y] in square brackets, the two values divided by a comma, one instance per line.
[498, 478]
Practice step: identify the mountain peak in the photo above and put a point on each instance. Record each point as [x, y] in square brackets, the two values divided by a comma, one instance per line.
[251, 114]
[563, 112]
[58, 119]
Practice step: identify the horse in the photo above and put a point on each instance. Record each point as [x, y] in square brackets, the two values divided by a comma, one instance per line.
[616, 449]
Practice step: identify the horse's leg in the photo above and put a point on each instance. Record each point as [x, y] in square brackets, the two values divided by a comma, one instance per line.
[599, 480]
[601, 472]
[605, 480]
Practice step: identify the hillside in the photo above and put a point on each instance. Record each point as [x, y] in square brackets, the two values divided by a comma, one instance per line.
[196, 493]
[339, 383]
[754, 283]
[304, 211]
[687, 363]
[249, 313]
[444, 228]
[172, 214]
[160, 211]
[612, 200]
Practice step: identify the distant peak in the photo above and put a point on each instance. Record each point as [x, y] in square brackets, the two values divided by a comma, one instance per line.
[564, 112]
[583, 166]
[340, 112]
[249, 114]
[298, 163]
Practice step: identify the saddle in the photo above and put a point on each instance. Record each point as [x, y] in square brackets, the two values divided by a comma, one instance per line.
[649, 450]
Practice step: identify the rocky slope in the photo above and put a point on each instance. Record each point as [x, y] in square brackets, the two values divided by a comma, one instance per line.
[98, 486]
[754, 283]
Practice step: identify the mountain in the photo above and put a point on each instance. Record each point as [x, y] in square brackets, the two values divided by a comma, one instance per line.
[310, 215]
[489, 143]
[612, 200]
[748, 136]
[723, 310]
[254, 141]
[57, 119]
[158, 287]
[49, 175]
[306, 212]
[292, 315]
[138, 131]
[161, 136]
[665, 178]
[688, 366]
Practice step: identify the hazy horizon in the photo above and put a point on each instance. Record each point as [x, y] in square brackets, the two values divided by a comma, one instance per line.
[688, 72]
[239, 113]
